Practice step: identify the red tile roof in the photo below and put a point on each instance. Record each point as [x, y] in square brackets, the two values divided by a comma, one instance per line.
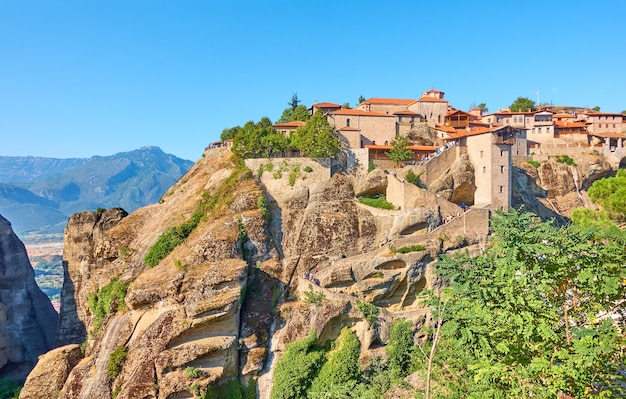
[295, 124]
[407, 112]
[359, 112]
[410, 147]
[432, 100]
[326, 105]
[611, 135]
[349, 129]
[447, 129]
[601, 114]
[562, 115]
[388, 101]
[563, 124]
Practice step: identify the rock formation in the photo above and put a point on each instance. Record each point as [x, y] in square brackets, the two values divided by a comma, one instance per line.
[27, 319]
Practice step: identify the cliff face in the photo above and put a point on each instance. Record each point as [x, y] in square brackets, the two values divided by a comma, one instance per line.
[27, 319]
[225, 302]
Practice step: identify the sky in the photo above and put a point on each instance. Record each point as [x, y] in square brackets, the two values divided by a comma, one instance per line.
[87, 77]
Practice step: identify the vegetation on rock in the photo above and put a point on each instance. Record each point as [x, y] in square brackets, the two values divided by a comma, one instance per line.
[566, 159]
[370, 311]
[116, 361]
[410, 248]
[399, 152]
[377, 202]
[413, 178]
[9, 389]
[108, 299]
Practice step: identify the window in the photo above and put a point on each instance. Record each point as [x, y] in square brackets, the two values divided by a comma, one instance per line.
[484, 169]
[538, 130]
[481, 154]
[348, 122]
[501, 189]
[501, 153]
[501, 169]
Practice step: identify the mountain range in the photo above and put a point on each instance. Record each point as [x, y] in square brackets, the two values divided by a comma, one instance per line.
[39, 194]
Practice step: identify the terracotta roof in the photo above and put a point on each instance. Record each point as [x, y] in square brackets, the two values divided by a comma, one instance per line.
[434, 91]
[407, 112]
[563, 115]
[326, 105]
[359, 112]
[456, 111]
[510, 113]
[410, 147]
[295, 124]
[563, 124]
[349, 129]
[391, 101]
[432, 100]
[611, 135]
[475, 132]
[447, 129]
[601, 114]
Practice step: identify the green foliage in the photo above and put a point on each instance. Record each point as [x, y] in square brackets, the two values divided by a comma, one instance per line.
[297, 368]
[192, 372]
[565, 159]
[534, 163]
[229, 390]
[294, 174]
[411, 248]
[528, 317]
[109, 299]
[413, 178]
[258, 140]
[263, 206]
[100, 210]
[400, 347]
[9, 389]
[610, 193]
[370, 311]
[308, 169]
[483, 107]
[377, 202]
[313, 297]
[371, 166]
[596, 108]
[116, 361]
[229, 133]
[316, 139]
[265, 167]
[399, 152]
[523, 104]
[361, 99]
[170, 239]
[341, 373]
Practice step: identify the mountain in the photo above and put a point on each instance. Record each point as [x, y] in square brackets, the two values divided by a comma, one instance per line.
[39, 194]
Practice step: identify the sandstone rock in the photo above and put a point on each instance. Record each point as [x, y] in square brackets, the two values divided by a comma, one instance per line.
[47, 378]
[370, 184]
[27, 319]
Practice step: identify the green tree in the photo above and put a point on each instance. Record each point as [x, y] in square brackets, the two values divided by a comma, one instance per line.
[523, 104]
[300, 113]
[316, 139]
[610, 193]
[342, 372]
[229, 133]
[399, 152]
[361, 99]
[483, 107]
[400, 347]
[596, 108]
[256, 140]
[530, 317]
[294, 101]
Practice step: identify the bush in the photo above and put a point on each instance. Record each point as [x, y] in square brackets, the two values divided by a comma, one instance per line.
[116, 361]
[536, 164]
[400, 347]
[308, 169]
[173, 237]
[9, 389]
[312, 297]
[262, 203]
[371, 166]
[109, 298]
[297, 368]
[192, 372]
[293, 175]
[414, 179]
[370, 311]
[377, 202]
[411, 248]
[565, 159]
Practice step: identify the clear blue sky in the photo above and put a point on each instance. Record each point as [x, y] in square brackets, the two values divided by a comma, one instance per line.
[85, 77]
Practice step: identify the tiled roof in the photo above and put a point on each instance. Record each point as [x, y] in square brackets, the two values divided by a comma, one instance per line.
[611, 135]
[358, 112]
[601, 114]
[475, 132]
[349, 129]
[290, 124]
[447, 129]
[456, 111]
[563, 124]
[389, 101]
[410, 147]
[432, 100]
[407, 112]
[563, 115]
[326, 105]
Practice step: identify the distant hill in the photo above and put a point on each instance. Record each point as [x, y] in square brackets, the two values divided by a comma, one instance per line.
[39, 194]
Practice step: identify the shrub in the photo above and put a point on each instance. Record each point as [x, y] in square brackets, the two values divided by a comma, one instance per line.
[411, 248]
[400, 347]
[100, 210]
[312, 297]
[262, 203]
[109, 298]
[308, 169]
[371, 166]
[370, 311]
[116, 361]
[9, 389]
[192, 372]
[297, 368]
[293, 175]
[534, 163]
[277, 174]
[414, 178]
[565, 159]
[173, 237]
[377, 202]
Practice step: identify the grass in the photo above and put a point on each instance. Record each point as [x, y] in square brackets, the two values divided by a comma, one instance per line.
[116, 361]
[411, 248]
[565, 159]
[108, 299]
[534, 163]
[312, 297]
[377, 202]
[192, 372]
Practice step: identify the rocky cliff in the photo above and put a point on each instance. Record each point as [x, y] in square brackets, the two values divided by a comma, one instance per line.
[27, 319]
[226, 300]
